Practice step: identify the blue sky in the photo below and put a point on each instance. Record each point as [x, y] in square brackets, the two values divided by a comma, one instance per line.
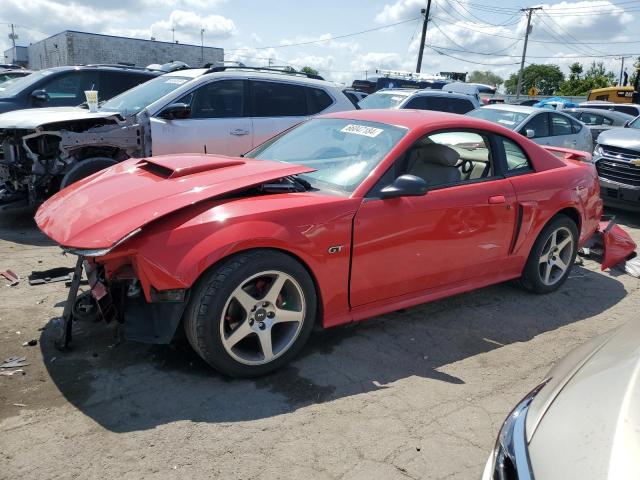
[487, 32]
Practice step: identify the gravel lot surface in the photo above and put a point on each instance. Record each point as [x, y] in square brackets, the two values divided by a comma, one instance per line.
[419, 393]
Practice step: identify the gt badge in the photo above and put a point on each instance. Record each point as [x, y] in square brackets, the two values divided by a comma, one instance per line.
[335, 249]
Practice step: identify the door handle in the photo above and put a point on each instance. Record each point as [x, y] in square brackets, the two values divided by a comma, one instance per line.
[239, 132]
[496, 199]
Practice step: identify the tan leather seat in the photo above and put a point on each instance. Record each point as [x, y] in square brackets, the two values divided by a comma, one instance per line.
[435, 163]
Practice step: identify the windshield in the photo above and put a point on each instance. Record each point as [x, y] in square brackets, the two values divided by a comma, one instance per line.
[343, 152]
[506, 118]
[382, 100]
[635, 123]
[17, 85]
[134, 100]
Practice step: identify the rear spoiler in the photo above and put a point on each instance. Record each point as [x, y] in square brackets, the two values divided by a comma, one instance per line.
[568, 154]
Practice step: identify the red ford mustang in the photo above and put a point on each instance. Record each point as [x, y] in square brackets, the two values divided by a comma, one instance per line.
[344, 217]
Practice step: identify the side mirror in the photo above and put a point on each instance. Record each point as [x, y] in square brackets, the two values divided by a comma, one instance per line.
[626, 124]
[530, 133]
[405, 186]
[176, 111]
[40, 95]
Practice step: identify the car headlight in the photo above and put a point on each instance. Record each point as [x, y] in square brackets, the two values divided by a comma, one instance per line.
[597, 152]
[510, 458]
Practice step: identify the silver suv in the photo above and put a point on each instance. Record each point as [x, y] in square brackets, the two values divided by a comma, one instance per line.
[223, 110]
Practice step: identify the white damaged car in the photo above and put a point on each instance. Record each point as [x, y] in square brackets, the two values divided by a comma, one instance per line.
[223, 110]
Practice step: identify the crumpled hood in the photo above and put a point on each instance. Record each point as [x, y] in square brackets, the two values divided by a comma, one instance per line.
[100, 210]
[591, 428]
[31, 118]
[621, 137]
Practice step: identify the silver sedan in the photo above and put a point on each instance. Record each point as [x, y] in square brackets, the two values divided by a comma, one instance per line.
[543, 126]
[582, 422]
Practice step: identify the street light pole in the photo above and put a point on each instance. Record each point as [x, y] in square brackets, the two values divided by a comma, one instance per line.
[529, 11]
[424, 34]
[202, 45]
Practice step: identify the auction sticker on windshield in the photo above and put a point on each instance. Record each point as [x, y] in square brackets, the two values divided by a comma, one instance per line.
[362, 130]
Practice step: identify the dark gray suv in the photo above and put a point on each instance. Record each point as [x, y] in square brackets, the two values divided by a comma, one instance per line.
[65, 86]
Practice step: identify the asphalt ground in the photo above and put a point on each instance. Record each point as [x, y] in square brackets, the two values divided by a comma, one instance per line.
[417, 394]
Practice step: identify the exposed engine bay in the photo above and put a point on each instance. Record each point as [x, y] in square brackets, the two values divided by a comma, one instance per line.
[36, 163]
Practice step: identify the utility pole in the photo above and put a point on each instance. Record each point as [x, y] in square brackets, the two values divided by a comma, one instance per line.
[424, 34]
[529, 11]
[202, 45]
[14, 37]
[173, 35]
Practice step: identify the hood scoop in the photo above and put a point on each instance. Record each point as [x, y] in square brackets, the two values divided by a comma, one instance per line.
[176, 166]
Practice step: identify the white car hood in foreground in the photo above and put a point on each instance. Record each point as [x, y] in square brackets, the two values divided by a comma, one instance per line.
[591, 430]
[31, 118]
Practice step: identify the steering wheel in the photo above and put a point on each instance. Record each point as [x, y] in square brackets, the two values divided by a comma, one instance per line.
[466, 167]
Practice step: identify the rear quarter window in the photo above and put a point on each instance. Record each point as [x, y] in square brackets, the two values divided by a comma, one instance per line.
[318, 99]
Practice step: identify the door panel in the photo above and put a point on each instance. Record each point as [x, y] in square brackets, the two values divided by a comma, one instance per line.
[411, 244]
[217, 123]
[225, 136]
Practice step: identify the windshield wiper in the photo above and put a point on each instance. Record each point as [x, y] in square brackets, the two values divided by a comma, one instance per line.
[291, 184]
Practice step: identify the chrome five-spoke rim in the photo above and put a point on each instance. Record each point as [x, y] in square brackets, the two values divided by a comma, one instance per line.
[556, 256]
[262, 317]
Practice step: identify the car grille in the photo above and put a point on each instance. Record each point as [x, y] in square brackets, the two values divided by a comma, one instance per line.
[617, 165]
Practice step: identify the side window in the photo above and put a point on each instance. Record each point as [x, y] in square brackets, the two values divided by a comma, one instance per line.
[539, 124]
[517, 160]
[575, 126]
[273, 99]
[319, 100]
[449, 158]
[592, 119]
[560, 125]
[440, 104]
[607, 121]
[628, 110]
[114, 83]
[68, 89]
[221, 99]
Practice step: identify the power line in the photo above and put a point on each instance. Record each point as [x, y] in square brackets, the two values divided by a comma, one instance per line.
[336, 37]
[435, 49]
[494, 54]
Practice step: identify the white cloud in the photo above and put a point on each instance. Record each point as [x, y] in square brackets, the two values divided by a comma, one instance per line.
[400, 10]
[188, 24]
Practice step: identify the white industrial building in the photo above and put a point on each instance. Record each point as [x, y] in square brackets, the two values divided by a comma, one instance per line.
[81, 48]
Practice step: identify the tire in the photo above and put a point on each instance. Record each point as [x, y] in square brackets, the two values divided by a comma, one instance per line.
[248, 332]
[543, 272]
[84, 168]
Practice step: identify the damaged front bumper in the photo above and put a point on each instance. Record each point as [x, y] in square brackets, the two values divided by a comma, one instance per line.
[121, 300]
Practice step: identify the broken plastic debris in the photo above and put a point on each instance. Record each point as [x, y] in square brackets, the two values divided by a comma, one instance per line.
[13, 362]
[13, 278]
[11, 373]
[30, 343]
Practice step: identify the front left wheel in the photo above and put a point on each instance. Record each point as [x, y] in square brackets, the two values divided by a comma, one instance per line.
[252, 313]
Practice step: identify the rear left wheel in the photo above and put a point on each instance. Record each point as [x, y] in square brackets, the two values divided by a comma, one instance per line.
[552, 256]
[252, 314]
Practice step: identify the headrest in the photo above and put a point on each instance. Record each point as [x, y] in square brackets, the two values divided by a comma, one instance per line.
[438, 154]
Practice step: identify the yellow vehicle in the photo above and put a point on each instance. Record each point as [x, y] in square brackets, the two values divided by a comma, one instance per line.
[621, 94]
[613, 94]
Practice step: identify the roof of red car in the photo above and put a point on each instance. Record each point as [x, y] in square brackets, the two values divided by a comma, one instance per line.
[406, 118]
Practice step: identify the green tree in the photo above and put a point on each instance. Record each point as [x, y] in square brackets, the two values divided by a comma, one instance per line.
[485, 77]
[309, 71]
[596, 76]
[546, 78]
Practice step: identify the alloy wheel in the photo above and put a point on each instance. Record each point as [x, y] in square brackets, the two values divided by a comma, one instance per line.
[556, 256]
[262, 317]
